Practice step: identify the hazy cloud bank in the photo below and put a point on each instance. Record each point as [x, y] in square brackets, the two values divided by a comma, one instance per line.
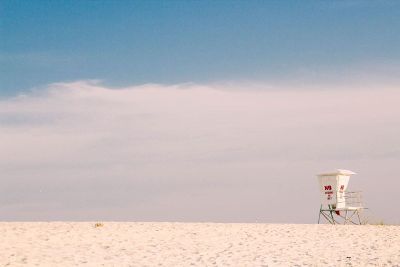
[188, 152]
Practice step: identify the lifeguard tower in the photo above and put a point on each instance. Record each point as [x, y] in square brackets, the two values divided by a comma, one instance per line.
[339, 206]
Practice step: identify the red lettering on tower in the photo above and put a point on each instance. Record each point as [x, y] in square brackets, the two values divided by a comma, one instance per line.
[328, 187]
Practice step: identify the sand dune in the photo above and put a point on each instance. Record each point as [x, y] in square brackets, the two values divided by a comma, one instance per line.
[196, 244]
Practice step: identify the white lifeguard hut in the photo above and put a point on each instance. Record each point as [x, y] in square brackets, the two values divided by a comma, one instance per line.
[339, 206]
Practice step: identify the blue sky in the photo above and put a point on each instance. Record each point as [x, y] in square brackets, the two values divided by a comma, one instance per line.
[169, 42]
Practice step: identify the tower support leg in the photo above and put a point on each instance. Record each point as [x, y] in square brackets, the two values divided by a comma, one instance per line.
[331, 212]
[358, 215]
[319, 215]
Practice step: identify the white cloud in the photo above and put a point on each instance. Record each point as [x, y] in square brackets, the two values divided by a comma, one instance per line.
[193, 152]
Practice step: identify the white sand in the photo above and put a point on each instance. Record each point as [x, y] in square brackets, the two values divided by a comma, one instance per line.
[198, 244]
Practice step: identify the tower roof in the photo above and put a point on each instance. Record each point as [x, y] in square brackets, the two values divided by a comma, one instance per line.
[337, 172]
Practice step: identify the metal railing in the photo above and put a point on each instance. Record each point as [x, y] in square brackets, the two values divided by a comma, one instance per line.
[350, 199]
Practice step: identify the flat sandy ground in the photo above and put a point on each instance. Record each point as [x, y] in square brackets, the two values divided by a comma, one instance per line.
[196, 244]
